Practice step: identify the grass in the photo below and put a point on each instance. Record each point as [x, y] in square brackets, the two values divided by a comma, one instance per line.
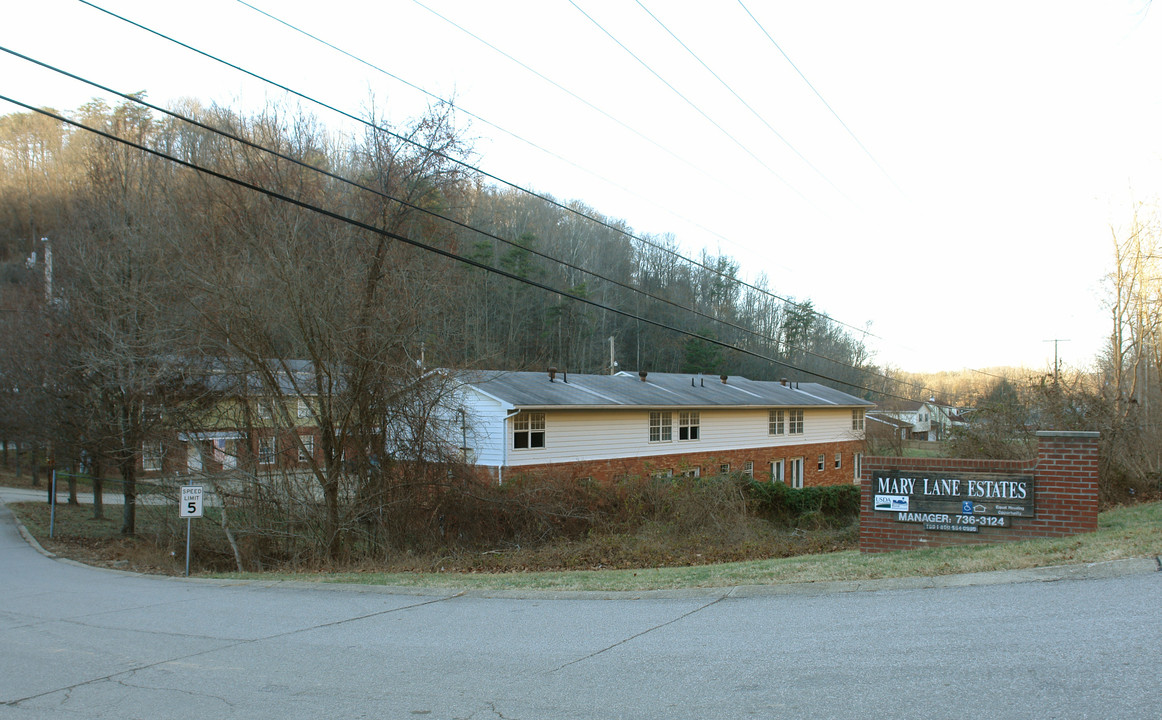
[1125, 532]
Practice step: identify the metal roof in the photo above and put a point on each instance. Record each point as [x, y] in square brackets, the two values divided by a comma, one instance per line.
[537, 390]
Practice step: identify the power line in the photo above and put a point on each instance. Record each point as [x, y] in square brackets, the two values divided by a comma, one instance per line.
[460, 108]
[136, 98]
[819, 95]
[738, 97]
[425, 246]
[689, 102]
[573, 211]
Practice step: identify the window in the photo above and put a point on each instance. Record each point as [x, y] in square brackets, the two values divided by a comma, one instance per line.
[528, 431]
[777, 471]
[794, 422]
[659, 474]
[796, 472]
[724, 469]
[152, 455]
[838, 460]
[775, 423]
[857, 419]
[266, 451]
[857, 464]
[661, 426]
[304, 409]
[264, 410]
[307, 451]
[692, 472]
[688, 425]
[748, 468]
[822, 462]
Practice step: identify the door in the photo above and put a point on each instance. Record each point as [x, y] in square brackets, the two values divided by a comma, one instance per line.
[796, 472]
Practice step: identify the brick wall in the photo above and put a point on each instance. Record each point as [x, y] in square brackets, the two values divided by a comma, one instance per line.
[1065, 495]
[709, 463]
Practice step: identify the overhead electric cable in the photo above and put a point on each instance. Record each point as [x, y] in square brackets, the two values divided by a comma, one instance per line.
[136, 98]
[555, 203]
[570, 93]
[691, 103]
[460, 108]
[819, 95]
[425, 246]
[738, 97]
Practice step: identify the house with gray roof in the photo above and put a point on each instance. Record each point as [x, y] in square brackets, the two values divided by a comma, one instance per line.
[605, 426]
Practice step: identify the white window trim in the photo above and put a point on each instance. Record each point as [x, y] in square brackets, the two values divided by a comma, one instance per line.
[795, 422]
[664, 426]
[531, 425]
[689, 421]
[152, 456]
[307, 449]
[778, 473]
[776, 422]
[269, 458]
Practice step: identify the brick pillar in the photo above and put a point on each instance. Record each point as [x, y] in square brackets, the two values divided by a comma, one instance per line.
[1067, 464]
[1065, 495]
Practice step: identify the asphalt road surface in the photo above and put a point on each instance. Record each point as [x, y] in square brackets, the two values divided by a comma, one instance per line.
[78, 642]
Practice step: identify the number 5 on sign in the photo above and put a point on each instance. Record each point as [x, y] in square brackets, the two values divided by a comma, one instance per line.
[191, 504]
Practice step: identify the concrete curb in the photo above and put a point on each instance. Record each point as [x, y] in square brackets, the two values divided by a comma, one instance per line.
[1054, 573]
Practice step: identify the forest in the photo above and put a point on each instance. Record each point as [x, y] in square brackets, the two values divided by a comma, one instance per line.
[143, 247]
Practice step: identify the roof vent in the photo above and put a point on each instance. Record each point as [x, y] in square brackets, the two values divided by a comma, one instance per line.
[722, 378]
[642, 374]
[784, 382]
[552, 374]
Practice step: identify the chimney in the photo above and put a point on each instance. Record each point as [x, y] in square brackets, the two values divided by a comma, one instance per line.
[642, 374]
[722, 378]
[552, 374]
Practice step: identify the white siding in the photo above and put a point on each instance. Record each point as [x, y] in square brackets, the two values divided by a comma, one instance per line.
[578, 435]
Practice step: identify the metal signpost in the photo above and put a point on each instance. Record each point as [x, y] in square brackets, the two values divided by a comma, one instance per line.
[189, 508]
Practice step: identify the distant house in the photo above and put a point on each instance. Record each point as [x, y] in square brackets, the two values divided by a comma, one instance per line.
[238, 425]
[602, 427]
[912, 420]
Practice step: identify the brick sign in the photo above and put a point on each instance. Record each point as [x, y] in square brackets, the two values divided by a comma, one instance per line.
[962, 502]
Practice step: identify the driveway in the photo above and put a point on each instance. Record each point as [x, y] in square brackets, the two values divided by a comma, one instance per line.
[82, 642]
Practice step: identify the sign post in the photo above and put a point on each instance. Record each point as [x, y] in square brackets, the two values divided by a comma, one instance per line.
[189, 508]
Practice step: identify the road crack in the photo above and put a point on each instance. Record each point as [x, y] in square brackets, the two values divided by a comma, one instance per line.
[129, 672]
[635, 636]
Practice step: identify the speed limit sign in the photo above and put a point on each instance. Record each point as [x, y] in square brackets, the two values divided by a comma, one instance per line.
[191, 503]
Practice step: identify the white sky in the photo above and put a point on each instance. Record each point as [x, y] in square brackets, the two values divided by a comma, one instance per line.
[1011, 135]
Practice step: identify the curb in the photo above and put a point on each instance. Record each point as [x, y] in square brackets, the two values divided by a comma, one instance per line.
[1052, 573]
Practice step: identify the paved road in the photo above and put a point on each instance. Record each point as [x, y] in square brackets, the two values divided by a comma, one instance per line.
[77, 642]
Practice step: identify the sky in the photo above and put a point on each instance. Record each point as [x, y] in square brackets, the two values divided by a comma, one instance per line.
[947, 177]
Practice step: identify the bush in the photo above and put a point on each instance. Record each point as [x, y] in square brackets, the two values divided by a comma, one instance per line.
[836, 504]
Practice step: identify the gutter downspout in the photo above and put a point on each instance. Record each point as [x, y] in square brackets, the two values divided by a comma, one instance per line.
[504, 447]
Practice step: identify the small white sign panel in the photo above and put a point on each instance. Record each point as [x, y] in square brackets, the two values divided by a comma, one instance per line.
[191, 502]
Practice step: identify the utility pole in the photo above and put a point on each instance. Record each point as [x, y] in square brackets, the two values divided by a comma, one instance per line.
[1056, 365]
[612, 361]
[47, 271]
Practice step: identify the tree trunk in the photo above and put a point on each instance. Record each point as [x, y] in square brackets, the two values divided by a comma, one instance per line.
[34, 462]
[73, 487]
[98, 489]
[334, 539]
[129, 510]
